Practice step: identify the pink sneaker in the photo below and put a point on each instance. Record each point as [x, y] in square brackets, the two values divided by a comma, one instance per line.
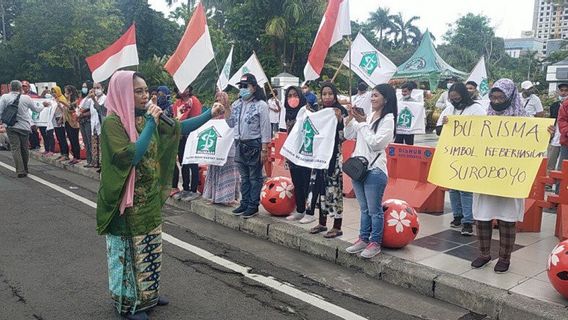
[357, 247]
[371, 250]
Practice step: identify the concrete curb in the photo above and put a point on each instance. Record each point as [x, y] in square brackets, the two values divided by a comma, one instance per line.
[469, 294]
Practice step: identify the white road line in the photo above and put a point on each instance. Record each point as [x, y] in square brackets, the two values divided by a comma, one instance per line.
[264, 280]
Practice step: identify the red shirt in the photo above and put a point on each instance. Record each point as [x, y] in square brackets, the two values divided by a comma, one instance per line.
[563, 123]
[193, 108]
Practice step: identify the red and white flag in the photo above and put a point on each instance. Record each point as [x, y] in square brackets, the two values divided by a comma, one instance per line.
[122, 53]
[194, 51]
[334, 25]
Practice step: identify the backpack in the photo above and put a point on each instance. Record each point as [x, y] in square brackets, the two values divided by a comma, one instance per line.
[10, 113]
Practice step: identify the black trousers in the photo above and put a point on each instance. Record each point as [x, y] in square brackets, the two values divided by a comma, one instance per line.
[73, 135]
[34, 138]
[301, 179]
[405, 138]
[189, 172]
[62, 139]
[48, 140]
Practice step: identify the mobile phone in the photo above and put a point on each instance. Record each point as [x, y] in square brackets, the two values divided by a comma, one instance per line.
[360, 111]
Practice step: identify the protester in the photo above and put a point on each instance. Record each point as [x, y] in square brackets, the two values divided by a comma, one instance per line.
[326, 185]
[18, 134]
[59, 123]
[222, 182]
[138, 155]
[505, 101]
[373, 132]
[554, 145]
[71, 122]
[471, 87]
[99, 103]
[249, 116]
[443, 101]
[311, 98]
[164, 100]
[406, 90]
[34, 135]
[274, 107]
[188, 106]
[295, 100]
[94, 103]
[363, 97]
[47, 131]
[531, 102]
[462, 104]
[84, 112]
[45, 92]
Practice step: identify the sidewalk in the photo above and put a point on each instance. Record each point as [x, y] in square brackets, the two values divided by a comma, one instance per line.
[435, 265]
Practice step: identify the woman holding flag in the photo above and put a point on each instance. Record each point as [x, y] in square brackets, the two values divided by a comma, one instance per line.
[138, 155]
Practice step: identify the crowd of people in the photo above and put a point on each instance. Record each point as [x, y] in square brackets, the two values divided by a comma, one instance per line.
[140, 160]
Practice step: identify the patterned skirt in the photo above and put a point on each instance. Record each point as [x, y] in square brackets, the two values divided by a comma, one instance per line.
[222, 183]
[134, 266]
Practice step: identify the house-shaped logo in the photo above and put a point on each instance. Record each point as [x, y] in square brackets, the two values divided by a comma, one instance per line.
[405, 118]
[369, 62]
[207, 141]
[309, 132]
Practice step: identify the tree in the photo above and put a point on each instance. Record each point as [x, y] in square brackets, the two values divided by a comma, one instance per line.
[381, 21]
[405, 32]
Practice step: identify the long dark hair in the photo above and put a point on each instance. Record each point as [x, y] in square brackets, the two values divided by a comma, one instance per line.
[259, 93]
[74, 94]
[391, 106]
[461, 89]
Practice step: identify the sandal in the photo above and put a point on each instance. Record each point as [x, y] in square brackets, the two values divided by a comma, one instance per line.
[333, 233]
[317, 229]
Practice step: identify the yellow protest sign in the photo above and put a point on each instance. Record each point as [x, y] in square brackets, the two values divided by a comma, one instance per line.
[490, 154]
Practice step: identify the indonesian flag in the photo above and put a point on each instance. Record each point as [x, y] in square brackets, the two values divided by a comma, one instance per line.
[334, 25]
[120, 54]
[194, 51]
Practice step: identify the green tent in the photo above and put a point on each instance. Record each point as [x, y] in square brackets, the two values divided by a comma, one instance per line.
[426, 65]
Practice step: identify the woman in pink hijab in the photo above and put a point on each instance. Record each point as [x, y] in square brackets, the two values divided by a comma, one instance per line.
[138, 155]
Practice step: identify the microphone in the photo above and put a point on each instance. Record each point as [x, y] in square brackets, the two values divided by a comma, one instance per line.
[169, 121]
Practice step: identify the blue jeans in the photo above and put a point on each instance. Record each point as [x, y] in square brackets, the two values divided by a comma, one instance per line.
[563, 156]
[462, 205]
[369, 194]
[251, 184]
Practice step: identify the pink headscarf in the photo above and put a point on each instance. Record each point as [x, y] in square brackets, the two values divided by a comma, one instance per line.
[120, 101]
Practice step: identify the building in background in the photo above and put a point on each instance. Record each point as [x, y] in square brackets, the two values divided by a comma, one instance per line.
[555, 74]
[521, 46]
[550, 24]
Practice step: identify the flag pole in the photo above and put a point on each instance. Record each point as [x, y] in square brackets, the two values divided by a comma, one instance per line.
[337, 72]
[350, 71]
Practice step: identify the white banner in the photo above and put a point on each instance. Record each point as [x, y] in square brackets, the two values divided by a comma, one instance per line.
[223, 81]
[310, 143]
[210, 144]
[368, 63]
[251, 66]
[479, 76]
[44, 118]
[411, 118]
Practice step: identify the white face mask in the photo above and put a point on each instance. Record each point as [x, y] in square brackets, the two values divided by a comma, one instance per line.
[449, 85]
[98, 92]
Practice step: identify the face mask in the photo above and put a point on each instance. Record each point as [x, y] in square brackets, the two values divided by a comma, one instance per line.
[84, 90]
[48, 96]
[526, 94]
[139, 112]
[162, 100]
[98, 92]
[294, 102]
[501, 106]
[449, 85]
[245, 93]
[458, 105]
[562, 98]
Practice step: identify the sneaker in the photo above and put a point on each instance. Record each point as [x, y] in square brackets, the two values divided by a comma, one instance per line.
[174, 192]
[480, 262]
[467, 229]
[502, 266]
[181, 194]
[371, 250]
[295, 216]
[249, 213]
[239, 210]
[456, 223]
[357, 247]
[141, 315]
[190, 196]
[163, 301]
[307, 219]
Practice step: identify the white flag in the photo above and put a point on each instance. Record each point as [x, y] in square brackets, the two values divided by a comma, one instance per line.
[368, 63]
[210, 144]
[226, 72]
[411, 118]
[479, 75]
[308, 144]
[251, 66]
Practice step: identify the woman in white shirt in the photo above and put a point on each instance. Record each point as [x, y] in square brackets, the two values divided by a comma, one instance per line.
[373, 133]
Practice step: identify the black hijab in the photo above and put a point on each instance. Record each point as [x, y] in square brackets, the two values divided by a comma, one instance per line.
[337, 105]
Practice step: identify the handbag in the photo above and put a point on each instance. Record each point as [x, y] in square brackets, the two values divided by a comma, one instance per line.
[9, 116]
[357, 168]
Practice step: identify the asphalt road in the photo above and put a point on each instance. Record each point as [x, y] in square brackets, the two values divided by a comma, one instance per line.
[53, 266]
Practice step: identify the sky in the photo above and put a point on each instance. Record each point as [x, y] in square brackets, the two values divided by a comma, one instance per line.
[508, 17]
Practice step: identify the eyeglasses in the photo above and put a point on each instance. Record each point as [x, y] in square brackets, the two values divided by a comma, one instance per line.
[243, 86]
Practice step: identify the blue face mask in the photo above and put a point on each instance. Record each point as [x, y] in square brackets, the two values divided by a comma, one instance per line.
[245, 93]
[84, 90]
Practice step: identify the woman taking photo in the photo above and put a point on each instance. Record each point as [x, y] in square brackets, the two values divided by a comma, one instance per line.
[373, 133]
[72, 126]
[326, 186]
[461, 104]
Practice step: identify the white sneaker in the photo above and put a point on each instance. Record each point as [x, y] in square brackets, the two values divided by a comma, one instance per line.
[308, 219]
[295, 216]
[371, 250]
[357, 247]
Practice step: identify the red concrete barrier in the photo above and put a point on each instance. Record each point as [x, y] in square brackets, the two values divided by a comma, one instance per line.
[347, 150]
[561, 200]
[535, 202]
[408, 168]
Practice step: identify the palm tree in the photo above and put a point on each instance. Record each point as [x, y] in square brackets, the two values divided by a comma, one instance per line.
[381, 21]
[404, 31]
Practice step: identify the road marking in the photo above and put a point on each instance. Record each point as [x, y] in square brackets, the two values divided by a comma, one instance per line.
[245, 271]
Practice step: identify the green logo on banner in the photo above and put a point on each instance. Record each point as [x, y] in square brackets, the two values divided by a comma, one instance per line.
[369, 62]
[207, 141]
[415, 64]
[246, 70]
[308, 132]
[484, 87]
[405, 118]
